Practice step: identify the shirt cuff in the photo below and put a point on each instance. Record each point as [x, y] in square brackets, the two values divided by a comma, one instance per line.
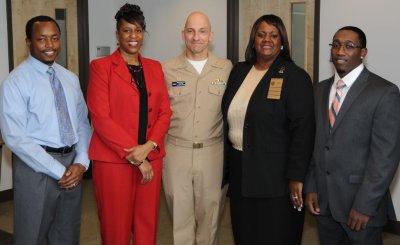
[57, 171]
[83, 159]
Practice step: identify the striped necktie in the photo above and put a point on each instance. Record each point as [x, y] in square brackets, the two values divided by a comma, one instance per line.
[334, 109]
[64, 121]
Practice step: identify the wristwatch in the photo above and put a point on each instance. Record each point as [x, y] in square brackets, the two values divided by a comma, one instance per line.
[154, 145]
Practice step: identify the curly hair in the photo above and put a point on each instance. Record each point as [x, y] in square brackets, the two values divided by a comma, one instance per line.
[132, 14]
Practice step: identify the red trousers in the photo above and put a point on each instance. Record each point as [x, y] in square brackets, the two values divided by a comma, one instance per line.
[125, 206]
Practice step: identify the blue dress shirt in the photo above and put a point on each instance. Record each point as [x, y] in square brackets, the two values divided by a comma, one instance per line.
[28, 117]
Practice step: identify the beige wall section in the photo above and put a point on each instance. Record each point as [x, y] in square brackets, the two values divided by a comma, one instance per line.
[23, 10]
[251, 10]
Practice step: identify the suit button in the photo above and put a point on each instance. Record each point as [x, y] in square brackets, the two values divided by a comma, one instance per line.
[150, 94]
[327, 148]
[150, 109]
[246, 125]
[149, 126]
[328, 173]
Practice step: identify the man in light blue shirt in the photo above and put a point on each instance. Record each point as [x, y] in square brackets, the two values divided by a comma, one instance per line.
[42, 105]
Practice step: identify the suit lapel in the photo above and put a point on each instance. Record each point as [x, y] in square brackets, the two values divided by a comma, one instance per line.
[148, 73]
[121, 69]
[354, 92]
[325, 105]
[234, 84]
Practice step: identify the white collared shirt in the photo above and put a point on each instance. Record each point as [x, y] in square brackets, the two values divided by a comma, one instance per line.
[349, 79]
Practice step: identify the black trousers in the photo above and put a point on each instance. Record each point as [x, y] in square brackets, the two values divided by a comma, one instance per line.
[261, 220]
[332, 232]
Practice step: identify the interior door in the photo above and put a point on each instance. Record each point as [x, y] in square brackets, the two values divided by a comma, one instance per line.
[65, 13]
[287, 10]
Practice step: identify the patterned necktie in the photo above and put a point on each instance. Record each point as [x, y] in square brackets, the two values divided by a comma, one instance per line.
[334, 109]
[64, 121]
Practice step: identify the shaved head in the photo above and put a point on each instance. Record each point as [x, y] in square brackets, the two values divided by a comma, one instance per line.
[198, 16]
[197, 35]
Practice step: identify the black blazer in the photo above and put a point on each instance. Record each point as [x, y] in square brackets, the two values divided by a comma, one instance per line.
[278, 134]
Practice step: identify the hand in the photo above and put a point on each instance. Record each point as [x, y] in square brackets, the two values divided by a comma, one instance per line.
[138, 153]
[72, 176]
[296, 190]
[147, 172]
[312, 203]
[357, 221]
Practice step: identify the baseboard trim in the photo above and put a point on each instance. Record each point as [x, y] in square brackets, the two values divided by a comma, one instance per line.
[6, 195]
[393, 227]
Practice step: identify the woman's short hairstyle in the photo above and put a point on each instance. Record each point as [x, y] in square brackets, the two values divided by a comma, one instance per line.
[251, 56]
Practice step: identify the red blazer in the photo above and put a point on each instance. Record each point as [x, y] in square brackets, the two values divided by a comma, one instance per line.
[113, 104]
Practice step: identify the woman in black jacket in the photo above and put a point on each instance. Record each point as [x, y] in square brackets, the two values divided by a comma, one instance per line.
[269, 134]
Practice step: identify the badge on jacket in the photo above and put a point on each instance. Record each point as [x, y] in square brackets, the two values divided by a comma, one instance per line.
[178, 83]
[275, 88]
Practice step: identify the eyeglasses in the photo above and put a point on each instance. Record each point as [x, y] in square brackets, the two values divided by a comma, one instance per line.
[349, 46]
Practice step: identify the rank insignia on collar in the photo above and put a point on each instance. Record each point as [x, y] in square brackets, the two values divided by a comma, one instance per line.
[282, 70]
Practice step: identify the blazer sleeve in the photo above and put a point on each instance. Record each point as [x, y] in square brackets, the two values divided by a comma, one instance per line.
[384, 154]
[98, 100]
[301, 119]
[162, 122]
[310, 184]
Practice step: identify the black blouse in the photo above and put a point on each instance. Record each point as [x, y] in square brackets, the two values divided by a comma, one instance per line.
[139, 82]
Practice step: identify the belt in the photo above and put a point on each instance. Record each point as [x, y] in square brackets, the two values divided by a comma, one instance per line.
[63, 150]
[193, 144]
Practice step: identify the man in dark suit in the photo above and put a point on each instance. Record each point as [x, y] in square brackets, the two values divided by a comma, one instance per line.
[357, 147]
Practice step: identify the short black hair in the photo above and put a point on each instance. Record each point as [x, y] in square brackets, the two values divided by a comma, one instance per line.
[360, 33]
[250, 55]
[40, 18]
[132, 14]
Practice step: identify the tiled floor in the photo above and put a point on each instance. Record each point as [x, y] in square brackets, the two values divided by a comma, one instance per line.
[90, 226]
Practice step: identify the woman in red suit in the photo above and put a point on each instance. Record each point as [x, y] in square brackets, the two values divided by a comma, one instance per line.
[130, 112]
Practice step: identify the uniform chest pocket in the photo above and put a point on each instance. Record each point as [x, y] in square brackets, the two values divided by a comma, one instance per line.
[181, 101]
[215, 93]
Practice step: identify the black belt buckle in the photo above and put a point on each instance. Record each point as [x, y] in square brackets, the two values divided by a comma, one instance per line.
[61, 150]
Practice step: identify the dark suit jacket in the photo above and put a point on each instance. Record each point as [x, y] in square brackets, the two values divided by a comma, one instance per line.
[278, 134]
[353, 165]
[113, 103]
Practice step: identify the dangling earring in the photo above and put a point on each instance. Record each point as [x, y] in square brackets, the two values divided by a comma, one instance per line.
[362, 57]
[281, 47]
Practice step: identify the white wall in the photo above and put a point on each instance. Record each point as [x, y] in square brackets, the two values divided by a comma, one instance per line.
[164, 23]
[5, 164]
[380, 22]
[101, 25]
